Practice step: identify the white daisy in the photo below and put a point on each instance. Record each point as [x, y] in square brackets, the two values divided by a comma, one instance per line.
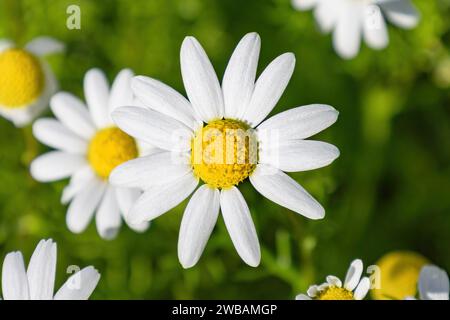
[349, 20]
[433, 284]
[194, 136]
[26, 80]
[88, 147]
[38, 281]
[354, 287]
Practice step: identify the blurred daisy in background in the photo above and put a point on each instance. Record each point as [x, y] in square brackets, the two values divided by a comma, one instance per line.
[38, 281]
[433, 284]
[399, 274]
[211, 138]
[349, 20]
[26, 80]
[89, 146]
[355, 287]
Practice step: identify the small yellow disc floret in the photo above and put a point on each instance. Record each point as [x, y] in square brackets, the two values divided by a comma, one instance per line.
[224, 153]
[109, 148]
[335, 293]
[21, 78]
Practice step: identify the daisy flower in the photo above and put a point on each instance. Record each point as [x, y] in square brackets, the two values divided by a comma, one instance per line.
[88, 147]
[217, 138]
[433, 284]
[354, 287]
[38, 281]
[349, 20]
[26, 80]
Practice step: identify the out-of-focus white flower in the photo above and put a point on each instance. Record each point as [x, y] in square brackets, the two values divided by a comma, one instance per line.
[26, 80]
[349, 20]
[89, 146]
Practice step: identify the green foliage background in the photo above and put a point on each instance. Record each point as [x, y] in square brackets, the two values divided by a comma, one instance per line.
[389, 190]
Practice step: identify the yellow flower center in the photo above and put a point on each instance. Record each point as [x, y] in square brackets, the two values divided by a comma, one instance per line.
[224, 153]
[109, 148]
[335, 293]
[21, 78]
[399, 272]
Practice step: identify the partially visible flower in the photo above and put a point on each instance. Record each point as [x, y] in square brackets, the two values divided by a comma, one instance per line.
[355, 287]
[349, 20]
[26, 80]
[433, 284]
[89, 146]
[38, 281]
[399, 273]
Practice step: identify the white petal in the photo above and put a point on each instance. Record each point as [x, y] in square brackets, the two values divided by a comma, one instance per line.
[79, 286]
[83, 206]
[121, 94]
[55, 165]
[374, 28]
[78, 181]
[240, 226]
[269, 88]
[299, 123]
[362, 288]
[302, 297]
[72, 112]
[304, 4]
[299, 155]
[158, 200]
[107, 218]
[239, 78]
[96, 91]
[433, 284]
[313, 291]
[14, 278]
[154, 128]
[20, 117]
[42, 46]
[354, 273]
[162, 98]
[198, 222]
[347, 34]
[200, 81]
[155, 169]
[401, 13]
[278, 187]
[327, 13]
[334, 281]
[53, 134]
[126, 197]
[41, 271]
[5, 44]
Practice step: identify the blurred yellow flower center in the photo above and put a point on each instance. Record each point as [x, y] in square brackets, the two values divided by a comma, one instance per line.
[224, 153]
[335, 293]
[399, 273]
[109, 148]
[21, 78]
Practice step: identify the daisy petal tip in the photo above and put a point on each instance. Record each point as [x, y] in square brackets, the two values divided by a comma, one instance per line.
[289, 57]
[134, 216]
[318, 215]
[188, 41]
[254, 260]
[185, 262]
[252, 36]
